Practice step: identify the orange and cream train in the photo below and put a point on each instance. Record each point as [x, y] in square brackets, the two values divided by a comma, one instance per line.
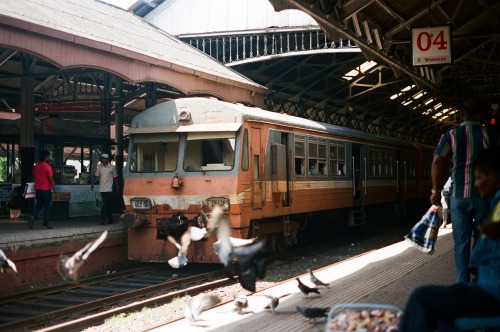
[269, 172]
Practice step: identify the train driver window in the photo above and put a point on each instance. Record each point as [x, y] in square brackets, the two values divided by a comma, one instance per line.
[209, 151]
[154, 152]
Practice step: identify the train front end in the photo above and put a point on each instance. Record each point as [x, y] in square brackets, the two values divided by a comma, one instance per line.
[181, 159]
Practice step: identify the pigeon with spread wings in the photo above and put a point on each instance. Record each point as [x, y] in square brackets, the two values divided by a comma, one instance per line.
[7, 264]
[250, 268]
[192, 310]
[193, 233]
[274, 302]
[68, 266]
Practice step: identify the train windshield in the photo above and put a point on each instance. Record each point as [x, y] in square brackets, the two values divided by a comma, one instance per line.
[209, 151]
[154, 152]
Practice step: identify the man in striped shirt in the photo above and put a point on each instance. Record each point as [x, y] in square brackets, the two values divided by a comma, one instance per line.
[462, 145]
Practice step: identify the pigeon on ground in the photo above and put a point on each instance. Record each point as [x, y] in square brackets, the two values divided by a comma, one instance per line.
[6, 264]
[305, 289]
[312, 314]
[241, 304]
[68, 266]
[275, 301]
[192, 310]
[316, 281]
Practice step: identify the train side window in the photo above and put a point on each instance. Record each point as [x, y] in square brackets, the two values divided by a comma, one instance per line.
[244, 153]
[256, 174]
[300, 158]
[337, 158]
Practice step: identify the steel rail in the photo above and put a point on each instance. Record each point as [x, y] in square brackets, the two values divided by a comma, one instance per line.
[97, 304]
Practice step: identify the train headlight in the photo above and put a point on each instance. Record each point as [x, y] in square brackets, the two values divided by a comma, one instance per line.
[222, 201]
[141, 203]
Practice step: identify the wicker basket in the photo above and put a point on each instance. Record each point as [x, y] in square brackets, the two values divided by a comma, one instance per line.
[363, 317]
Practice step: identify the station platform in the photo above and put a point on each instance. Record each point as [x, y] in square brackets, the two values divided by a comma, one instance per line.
[383, 276]
[36, 251]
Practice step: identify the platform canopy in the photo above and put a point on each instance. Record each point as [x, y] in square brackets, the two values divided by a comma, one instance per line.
[384, 88]
[77, 50]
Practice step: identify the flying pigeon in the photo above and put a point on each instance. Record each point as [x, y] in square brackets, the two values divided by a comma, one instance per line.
[216, 215]
[313, 313]
[68, 266]
[250, 271]
[241, 304]
[305, 289]
[6, 264]
[315, 280]
[200, 303]
[275, 301]
[193, 233]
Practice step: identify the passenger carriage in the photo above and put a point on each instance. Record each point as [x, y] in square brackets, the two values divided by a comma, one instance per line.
[269, 171]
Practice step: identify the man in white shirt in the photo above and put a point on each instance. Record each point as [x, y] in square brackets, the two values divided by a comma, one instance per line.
[105, 175]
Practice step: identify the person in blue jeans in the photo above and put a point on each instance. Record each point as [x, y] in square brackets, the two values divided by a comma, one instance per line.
[44, 182]
[461, 145]
[434, 308]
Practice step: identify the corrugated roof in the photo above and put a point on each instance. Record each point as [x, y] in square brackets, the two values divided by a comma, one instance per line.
[114, 26]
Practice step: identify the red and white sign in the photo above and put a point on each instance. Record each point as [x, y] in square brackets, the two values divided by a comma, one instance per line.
[431, 46]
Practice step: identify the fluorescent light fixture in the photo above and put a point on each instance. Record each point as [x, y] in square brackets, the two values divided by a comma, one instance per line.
[363, 68]
[408, 102]
[428, 101]
[355, 22]
[367, 32]
[394, 96]
[418, 94]
[438, 106]
[376, 35]
[367, 65]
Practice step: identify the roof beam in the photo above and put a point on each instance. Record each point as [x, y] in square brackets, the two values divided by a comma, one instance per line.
[333, 27]
[406, 24]
[354, 6]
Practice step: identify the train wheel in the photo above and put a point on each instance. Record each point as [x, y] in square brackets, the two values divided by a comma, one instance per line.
[280, 244]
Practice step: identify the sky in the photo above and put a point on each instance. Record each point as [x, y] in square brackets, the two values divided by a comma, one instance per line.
[125, 4]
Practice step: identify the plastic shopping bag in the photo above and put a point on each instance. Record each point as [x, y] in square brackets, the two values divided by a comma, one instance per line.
[29, 190]
[424, 234]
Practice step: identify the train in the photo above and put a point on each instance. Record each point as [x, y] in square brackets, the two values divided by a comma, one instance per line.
[269, 171]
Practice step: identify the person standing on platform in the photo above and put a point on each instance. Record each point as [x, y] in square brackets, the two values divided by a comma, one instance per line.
[462, 144]
[105, 175]
[44, 181]
[434, 308]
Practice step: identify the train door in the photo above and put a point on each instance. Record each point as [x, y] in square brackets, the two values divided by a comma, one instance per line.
[357, 171]
[257, 170]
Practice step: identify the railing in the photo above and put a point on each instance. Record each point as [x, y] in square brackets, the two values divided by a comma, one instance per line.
[236, 48]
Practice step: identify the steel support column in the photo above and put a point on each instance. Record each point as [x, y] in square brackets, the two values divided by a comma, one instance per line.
[27, 144]
[119, 132]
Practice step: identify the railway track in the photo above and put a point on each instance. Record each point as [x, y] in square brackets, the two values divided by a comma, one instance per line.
[71, 307]
[92, 300]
